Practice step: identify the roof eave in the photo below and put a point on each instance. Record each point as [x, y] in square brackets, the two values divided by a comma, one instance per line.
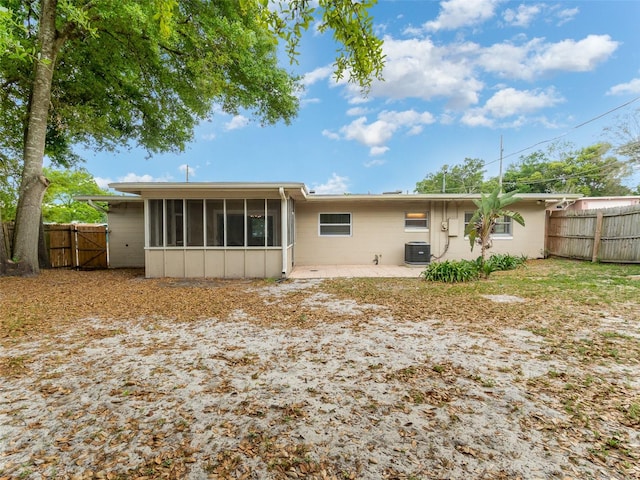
[546, 197]
[138, 188]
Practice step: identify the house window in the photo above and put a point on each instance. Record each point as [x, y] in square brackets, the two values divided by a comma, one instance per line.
[335, 224]
[502, 228]
[416, 221]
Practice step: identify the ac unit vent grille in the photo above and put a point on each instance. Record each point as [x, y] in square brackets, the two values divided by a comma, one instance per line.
[417, 253]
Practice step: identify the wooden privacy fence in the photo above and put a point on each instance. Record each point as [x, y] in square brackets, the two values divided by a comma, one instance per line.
[605, 235]
[79, 246]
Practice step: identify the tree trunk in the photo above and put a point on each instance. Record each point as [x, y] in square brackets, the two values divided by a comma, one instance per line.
[33, 183]
[3, 249]
[43, 251]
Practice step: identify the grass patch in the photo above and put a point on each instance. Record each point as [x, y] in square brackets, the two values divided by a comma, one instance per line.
[555, 291]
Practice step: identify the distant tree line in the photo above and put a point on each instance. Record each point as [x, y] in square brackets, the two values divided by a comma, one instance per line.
[593, 171]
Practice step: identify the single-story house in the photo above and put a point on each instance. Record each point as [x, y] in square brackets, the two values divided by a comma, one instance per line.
[235, 230]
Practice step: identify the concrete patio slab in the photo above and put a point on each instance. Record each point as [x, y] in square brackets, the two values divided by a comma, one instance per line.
[341, 271]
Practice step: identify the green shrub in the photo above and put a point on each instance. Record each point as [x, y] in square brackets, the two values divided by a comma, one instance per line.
[503, 261]
[451, 271]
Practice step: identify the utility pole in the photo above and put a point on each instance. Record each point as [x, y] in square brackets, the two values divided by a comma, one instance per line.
[187, 173]
[500, 175]
[444, 179]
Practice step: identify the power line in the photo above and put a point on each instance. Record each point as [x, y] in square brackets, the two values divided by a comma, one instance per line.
[580, 125]
[542, 142]
[603, 170]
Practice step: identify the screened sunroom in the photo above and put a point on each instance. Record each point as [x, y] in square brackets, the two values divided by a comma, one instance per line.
[218, 230]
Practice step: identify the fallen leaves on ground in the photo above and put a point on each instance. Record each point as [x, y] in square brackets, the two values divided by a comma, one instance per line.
[110, 375]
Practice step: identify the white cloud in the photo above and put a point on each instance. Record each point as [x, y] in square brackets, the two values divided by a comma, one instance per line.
[239, 121]
[330, 135]
[128, 178]
[335, 185]
[460, 13]
[135, 178]
[187, 170]
[476, 118]
[412, 31]
[417, 68]
[355, 97]
[566, 15]
[357, 111]
[415, 130]
[208, 136]
[523, 16]
[408, 117]
[447, 118]
[374, 163]
[377, 151]
[536, 58]
[509, 101]
[321, 73]
[632, 87]
[580, 56]
[513, 103]
[374, 135]
[309, 101]
[505, 59]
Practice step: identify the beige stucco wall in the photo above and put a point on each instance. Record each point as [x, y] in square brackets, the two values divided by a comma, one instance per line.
[126, 235]
[528, 240]
[378, 229]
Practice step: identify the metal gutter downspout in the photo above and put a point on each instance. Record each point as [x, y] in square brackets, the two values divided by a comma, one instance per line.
[284, 230]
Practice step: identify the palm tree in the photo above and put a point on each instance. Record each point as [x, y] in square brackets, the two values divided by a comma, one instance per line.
[490, 208]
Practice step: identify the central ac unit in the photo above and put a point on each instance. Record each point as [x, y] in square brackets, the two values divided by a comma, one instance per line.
[417, 253]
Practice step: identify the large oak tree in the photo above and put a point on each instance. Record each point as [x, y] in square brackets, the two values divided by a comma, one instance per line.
[145, 72]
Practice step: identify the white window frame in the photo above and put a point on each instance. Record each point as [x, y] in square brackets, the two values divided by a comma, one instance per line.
[320, 225]
[503, 221]
[413, 228]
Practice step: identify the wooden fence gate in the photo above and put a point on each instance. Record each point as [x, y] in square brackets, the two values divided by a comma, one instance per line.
[75, 245]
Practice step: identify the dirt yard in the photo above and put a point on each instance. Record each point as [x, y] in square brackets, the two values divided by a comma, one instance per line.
[109, 375]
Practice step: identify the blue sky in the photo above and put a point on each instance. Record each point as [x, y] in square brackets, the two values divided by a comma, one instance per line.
[459, 75]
